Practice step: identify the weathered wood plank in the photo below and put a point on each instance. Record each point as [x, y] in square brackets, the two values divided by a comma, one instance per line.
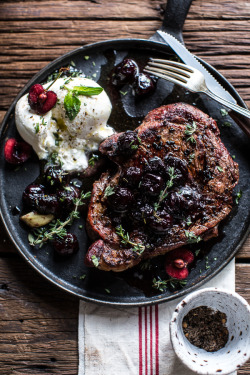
[108, 9]
[81, 9]
[38, 323]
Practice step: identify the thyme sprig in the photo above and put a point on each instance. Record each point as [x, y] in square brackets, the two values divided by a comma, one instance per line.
[164, 193]
[137, 247]
[57, 227]
[191, 237]
[93, 159]
[110, 190]
[190, 130]
[162, 285]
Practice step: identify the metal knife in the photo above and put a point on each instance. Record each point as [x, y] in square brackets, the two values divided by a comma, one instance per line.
[188, 58]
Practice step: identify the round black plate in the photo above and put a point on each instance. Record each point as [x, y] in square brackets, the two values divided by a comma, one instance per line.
[133, 287]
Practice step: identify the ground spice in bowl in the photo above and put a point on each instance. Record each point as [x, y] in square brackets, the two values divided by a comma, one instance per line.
[205, 328]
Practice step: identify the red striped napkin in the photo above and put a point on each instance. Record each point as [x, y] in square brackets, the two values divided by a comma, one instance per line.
[133, 341]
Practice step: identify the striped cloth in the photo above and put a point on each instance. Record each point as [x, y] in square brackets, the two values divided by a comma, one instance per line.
[133, 341]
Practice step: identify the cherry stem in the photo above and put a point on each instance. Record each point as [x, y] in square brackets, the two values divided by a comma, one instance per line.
[61, 70]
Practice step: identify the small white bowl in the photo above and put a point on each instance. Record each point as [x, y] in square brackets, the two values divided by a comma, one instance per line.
[237, 350]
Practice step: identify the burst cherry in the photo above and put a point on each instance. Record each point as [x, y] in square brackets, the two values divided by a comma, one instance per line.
[41, 100]
[67, 245]
[16, 152]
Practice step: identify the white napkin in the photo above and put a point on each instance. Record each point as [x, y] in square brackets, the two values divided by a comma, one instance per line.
[134, 341]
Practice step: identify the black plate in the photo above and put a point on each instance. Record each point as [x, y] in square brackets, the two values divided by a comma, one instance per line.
[127, 288]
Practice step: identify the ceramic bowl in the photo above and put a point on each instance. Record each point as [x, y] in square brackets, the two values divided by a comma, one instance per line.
[237, 350]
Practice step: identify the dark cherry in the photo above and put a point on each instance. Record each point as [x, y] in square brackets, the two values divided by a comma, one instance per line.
[125, 72]
[67, 245]
[180, 168]
[142, 211]
[40, 100]
[31, 194]
[186, 199]
[66, 197]
[151, 184]
[16, 152]
[160, 222]
[48, 204]
[131, 176]
[144, 84]
[121, 200]
[127, 143]
[156, 166]
[54, 176]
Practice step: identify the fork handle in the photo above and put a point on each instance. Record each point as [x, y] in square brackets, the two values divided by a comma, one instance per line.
[243, 123]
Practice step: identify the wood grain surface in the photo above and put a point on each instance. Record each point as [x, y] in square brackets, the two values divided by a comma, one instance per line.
[38, 322]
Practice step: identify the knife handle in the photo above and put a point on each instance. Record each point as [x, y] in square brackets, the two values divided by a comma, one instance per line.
[174, 18]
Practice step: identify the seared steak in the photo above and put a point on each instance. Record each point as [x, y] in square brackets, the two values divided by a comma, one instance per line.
[172, 186]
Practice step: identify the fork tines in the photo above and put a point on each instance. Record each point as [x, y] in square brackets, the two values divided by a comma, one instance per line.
[170, 70]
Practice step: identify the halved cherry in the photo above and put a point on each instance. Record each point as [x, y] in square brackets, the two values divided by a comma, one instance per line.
[177, 261]
[40, 100]
[16, 152]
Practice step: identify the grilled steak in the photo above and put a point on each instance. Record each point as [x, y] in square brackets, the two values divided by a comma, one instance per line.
[172, 186]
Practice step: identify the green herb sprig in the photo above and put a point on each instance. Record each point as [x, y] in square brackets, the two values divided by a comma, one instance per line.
[57, 227]
[93, 159]
[164, 193]
[137, 247]
[162, 285]
[72, 103]
[190, 130]
[109, 191]
[192, 238]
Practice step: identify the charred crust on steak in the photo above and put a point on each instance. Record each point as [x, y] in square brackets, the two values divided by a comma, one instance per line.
[173, 182]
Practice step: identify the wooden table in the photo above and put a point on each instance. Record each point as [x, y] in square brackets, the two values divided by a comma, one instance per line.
[38, 322]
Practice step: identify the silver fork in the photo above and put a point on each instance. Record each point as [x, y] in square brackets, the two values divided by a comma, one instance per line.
[188, 77]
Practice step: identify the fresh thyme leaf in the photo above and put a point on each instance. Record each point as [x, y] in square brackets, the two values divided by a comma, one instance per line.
[107, 291]
[137, 247]
[223, 112]
[191, 157]
[227, 124]
[82, 277]
[220, 169]
[164, 193]
[238, 196]
[72, 105]
[57, 227]
[161, 285]
[190, 130]
[188, 221]
[86, 57]
[72, 63]
[93, 159]
[134, 147]
[31, 239]
[109, 191]
[192, 238]
[146, 265]
[197, 252]
[37, 128]
[95, 260]
[123, 92]
[87, 91]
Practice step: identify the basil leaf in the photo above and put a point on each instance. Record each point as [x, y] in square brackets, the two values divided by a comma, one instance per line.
[87, 91]
[72, 105]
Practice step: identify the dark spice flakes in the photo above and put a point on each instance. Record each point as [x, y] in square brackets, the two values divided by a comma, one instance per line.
[205, 328]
